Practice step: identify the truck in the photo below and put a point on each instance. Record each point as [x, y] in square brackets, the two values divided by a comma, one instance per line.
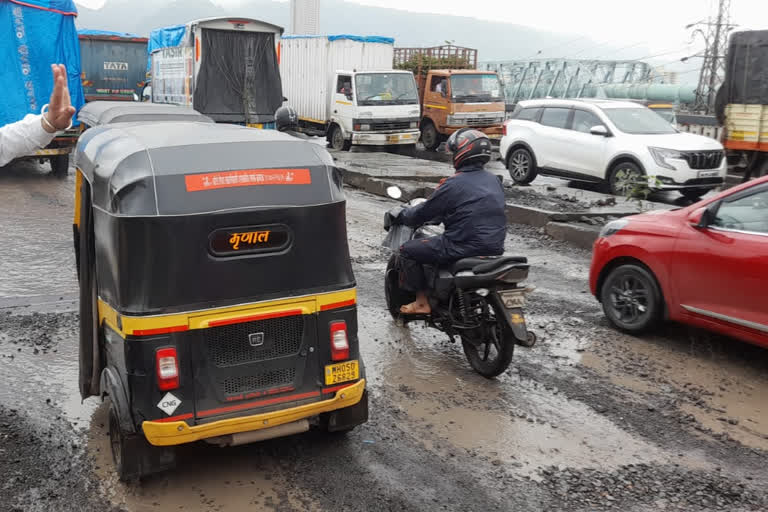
[224, 68]
[453, 93]
[343, 88]
[113, 65]
[741, 104]
[28, 52]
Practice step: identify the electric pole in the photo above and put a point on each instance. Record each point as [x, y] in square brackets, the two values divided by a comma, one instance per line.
[715, 33]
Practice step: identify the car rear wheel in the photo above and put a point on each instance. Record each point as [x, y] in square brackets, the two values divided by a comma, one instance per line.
[694, 194]
[625, 177]
[521, 166]
[631, 299]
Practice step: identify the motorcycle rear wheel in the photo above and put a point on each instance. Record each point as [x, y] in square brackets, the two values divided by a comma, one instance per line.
[493, 355]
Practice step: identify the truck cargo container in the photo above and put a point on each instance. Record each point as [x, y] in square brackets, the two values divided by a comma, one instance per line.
[225, 68]
[343, 87]
[113, 65]
[39, 33]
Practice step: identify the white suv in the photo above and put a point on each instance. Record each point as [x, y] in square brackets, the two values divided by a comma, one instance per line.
[607, 141]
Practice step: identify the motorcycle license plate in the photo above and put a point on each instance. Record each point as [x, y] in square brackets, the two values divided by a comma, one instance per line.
[512, 299]
[342, 372]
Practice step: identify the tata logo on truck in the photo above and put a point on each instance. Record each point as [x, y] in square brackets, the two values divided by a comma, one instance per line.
[116, 66]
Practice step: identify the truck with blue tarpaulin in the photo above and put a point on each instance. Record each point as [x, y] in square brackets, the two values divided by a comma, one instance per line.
[224, 68]
[113, 65]
[39, 33]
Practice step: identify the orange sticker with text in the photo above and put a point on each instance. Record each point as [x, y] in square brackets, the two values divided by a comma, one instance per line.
[247, 178]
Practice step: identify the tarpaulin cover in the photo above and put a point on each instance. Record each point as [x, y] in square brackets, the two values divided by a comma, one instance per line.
[361, 39]
[88, 32]
[36, 35]
[165, 38]
[239, 80]
[746, 75]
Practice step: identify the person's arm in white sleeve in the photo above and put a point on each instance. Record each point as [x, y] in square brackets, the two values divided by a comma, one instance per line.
[23, 138]
[35, 132]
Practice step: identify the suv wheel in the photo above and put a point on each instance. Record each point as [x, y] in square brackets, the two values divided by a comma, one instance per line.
[624, 177]
[521, 166]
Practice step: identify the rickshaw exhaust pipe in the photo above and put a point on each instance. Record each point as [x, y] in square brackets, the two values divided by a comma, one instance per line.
[253, 436]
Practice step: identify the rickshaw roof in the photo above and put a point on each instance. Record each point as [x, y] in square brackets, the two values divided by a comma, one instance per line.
[176, 168]
[96, 113]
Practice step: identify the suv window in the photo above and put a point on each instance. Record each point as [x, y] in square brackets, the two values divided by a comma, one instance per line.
[555, 117]
[584, 121]
[528, 114]
[748, 213]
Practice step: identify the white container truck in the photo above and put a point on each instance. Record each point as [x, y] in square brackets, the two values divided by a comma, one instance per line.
[344, 88]
[225, 68]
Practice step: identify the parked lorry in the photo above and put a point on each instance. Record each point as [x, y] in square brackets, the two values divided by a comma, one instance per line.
[224, 68]
[113, 65]
[742, 102]
[344, 88]
[453, 93]
[39, 33]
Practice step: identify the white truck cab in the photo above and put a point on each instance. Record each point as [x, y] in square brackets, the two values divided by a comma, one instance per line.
[374, 108]
[344, 88]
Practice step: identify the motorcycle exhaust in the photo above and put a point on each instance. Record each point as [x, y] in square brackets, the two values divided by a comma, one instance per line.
[253, 436]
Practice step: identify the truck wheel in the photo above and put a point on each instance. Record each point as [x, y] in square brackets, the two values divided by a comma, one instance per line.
[337, 140]
[429, 136]
[60, 166]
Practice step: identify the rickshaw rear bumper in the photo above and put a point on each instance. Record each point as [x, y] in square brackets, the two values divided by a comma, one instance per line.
[161, 433]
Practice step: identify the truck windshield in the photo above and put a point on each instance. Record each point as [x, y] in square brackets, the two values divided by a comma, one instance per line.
[476, 88]
[638, 121]
[386, 89]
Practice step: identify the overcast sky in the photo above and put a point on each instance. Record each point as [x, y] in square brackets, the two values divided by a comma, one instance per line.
[654, 24]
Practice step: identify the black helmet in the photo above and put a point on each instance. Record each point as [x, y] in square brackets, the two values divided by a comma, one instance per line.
[286, 119]
[469, 146]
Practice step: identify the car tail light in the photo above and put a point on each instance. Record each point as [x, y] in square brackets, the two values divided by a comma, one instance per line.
[504, 129]
[167, 365]
[339, 341]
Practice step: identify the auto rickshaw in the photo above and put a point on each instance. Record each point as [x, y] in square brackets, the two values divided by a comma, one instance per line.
[217, 299]
[96, 113]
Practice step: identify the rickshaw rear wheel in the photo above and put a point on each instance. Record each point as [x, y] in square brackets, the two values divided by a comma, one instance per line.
[132, 454]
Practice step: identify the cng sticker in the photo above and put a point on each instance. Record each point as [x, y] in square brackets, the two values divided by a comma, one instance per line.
[169, 404]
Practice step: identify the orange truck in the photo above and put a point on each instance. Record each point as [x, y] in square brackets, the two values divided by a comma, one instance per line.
[453, 93]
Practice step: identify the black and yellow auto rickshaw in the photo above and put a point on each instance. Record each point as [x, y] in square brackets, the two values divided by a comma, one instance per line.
[217, 299]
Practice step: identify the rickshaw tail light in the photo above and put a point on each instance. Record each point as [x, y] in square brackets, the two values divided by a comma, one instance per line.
[167, 364]
[339, 341]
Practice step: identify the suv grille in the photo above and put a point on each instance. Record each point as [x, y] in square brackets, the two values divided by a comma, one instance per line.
[230, 345]
[269, 379]
[704, 159]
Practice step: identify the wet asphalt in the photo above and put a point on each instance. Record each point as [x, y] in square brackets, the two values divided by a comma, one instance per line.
[589, 419]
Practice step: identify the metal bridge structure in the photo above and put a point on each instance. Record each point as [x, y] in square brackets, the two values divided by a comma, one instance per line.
[568, 78]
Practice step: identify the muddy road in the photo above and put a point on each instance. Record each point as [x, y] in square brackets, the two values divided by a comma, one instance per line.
[589, 419]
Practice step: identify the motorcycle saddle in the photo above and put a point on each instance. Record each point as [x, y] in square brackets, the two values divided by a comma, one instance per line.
[485, 264]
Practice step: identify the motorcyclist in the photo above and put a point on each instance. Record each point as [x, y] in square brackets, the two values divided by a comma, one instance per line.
[471, 206]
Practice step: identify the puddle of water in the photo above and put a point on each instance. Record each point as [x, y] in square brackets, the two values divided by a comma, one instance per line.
[31, 379]
[36, 235]
[522, 424]
[722, 380]
[206, 478]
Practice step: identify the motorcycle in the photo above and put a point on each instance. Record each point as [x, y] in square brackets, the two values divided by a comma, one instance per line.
[479, 300]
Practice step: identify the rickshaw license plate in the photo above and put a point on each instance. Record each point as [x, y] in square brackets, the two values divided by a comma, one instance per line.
[342, 372]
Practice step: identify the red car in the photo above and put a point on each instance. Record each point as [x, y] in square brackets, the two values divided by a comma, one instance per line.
[704, 265]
